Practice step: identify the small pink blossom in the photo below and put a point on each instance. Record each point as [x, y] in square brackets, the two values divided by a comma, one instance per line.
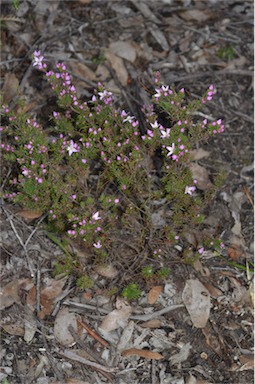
[96, 216]
[189, 190]
[98, 244]
[170, 149]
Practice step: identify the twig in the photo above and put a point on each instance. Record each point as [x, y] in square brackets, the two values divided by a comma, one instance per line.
[238, 72]
[94, 334]
[248, 195]
[38, 286]
[72, 356]
[20, 241]
[50, 357]
[34, 230]
[86, 348]
[85, 306]
[157, 313]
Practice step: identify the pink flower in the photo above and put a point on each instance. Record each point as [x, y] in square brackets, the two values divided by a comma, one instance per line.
[170, 149]
[165, 134]
[189, 190]
[72, 147]
[98, 244]
[96, 216]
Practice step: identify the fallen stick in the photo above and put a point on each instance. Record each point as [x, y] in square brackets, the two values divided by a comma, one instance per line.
[72, 356]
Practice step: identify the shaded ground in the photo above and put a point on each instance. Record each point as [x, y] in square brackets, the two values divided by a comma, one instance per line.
[193, 45]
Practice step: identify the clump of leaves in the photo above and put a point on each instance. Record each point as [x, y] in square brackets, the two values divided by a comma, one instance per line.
[84, 282]
[226, 53]
[131, 292]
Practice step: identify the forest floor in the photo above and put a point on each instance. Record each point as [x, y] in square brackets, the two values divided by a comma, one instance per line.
[193, 44]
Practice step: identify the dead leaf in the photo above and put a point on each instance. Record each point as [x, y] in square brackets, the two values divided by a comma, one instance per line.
[142, 353]
[197, 301]
[236, 63]
[48, 296]
[197, 265]
[107, 271]
[81, 70]
[198, 154]
[29, 214]
[118, 317]
[63, 319]
[31, 298]
[214, 292]
[118, 66]
[154, 294]
[247, 361]
[15, 329]
[196, 15]
[200, 174]
[10, 87]
[30, 324]
[123, 49]
[182, 355]
[235, 252]
[212, 340]
[9, 294]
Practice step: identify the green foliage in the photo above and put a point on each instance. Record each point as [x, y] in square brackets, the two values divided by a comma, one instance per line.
[67, 266]
[15, 4]
[90, 170]
[163, 273]
[147, 272]
[226, 53]
[84, 282]
[131, 292]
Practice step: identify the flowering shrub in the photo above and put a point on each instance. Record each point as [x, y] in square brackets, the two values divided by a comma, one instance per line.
[92, 169]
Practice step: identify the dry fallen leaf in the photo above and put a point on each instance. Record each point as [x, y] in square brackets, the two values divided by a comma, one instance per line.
[142, 353]
[9, 294]
[15, 329]
[107, 271]
[235, 252]
[81, 70]
[154, 294]
[118, 317]
[63, 319]
[197, 301]
[201, 175]
[196, 15]
[123, 49]
[29, 214]
[118, 66]
[198, 154]
[48, 296]
[10, 87]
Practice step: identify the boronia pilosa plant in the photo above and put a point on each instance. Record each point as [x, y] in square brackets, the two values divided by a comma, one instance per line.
[93, 171]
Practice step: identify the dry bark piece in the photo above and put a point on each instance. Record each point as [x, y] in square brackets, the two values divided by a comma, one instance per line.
[142, 353]
[154, 323]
